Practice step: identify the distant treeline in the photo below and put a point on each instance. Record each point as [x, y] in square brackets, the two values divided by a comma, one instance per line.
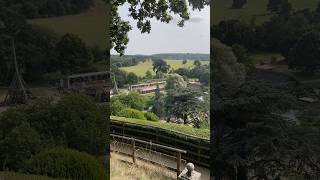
[183, 56]
[127, 60]
[132, 60]
[46, 8]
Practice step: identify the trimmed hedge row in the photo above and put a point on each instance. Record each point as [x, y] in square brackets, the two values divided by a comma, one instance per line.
[198, 148]
[179, 128]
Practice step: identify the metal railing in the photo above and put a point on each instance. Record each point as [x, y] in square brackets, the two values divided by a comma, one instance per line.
[134, 142]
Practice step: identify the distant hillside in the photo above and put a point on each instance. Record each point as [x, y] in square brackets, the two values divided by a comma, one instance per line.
[183, 56]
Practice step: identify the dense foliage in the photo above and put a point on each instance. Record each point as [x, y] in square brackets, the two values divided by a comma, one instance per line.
[132, 113]
[151, 117]
[47, 8]
[66, 163]
[74, 122]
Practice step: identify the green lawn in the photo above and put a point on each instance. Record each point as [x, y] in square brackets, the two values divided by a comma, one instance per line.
[222, 10]
[20, 176]
[180, 128]
[90, 26]
[142, 68]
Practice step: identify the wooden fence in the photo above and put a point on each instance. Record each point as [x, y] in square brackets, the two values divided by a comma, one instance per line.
[133, 142]
[198, 149]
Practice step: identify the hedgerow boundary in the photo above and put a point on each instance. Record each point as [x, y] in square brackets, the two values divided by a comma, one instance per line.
[195, 141]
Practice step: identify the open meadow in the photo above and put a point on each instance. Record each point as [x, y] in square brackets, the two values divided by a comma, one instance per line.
[89, 26]
[142, 68]
[222, 10]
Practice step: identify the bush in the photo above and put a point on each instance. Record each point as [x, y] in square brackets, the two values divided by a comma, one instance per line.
[132, 113]
[151, 116]
[134, 100]
[116, 106]
[66, 163]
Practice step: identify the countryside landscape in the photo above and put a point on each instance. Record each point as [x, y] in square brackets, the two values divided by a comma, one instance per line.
[265, 58]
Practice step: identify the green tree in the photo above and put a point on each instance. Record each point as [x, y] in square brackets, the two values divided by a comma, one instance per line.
[72, 54]
[158, 106]
[226, 67]
[197, 63]
[182, 103]
[160, 65]
[243, 57]
[116, 106]
[175, 81]
[134, 100]
[305, 55]
[184, 61]
[149, 75]
[132, 78]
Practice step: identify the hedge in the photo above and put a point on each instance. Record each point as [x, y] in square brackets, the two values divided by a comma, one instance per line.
[67, 163]
[151, 116]
[132, 113]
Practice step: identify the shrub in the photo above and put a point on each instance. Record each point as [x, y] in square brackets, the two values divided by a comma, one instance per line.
[151, 116]
[66, 163]
[116, 106]
[134, 100]
[82, 124]
[132, 113]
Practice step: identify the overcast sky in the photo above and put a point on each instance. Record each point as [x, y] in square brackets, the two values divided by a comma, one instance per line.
[194, 37]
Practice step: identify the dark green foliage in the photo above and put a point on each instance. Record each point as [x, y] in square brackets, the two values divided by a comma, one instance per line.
[47, 8]
[134, 100]
[66, 163]
[151, 116]
[18, 146]
[305, 55]
[242, 56]
[82, 123]
[74, 122]
[132, 78]
[183, 102]
[148, 75]
[116, 106]
[159, 65]
[238, 4]
[158, 106]
[281, 7]
[197, 63]
[132, 113]
[72, 54]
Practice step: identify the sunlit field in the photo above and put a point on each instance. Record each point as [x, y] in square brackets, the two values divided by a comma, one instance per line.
[142, 68]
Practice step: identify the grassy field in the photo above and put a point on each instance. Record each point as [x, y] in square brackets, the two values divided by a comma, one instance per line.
[19, 176]
[254, 8]
[142, 68]
[180, 128]
[90, 26]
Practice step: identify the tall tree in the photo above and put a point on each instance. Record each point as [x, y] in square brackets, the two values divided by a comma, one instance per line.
[238, 4]
[160, 65]
[72, 54]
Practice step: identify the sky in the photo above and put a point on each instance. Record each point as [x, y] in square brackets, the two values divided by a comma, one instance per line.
[194, 37]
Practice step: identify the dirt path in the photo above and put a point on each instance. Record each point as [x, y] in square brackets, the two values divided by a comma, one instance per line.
[159, 158]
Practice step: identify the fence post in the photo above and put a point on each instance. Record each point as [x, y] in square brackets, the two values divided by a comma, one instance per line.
[133, 151]
[178, 163]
